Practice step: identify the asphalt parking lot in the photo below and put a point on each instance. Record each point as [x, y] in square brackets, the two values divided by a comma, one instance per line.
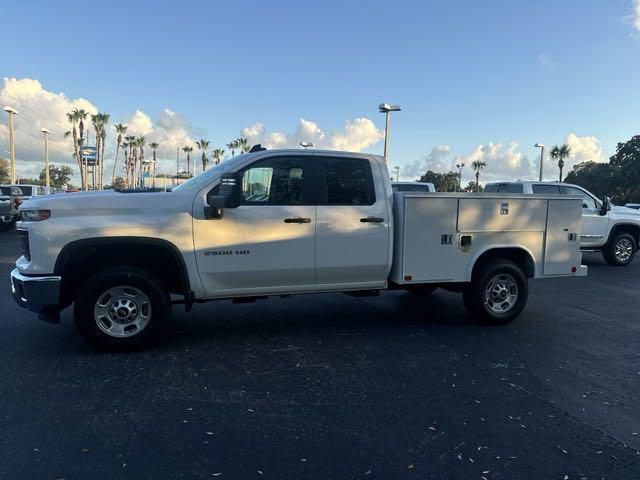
[332, 387]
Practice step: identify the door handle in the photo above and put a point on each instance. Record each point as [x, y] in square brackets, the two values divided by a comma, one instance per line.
[372, 220]
[297, 220]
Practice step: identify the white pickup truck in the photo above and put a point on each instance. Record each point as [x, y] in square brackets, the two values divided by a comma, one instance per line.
[282, 222]
[607, 228]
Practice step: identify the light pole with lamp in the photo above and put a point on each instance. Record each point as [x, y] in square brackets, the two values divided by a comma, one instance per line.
[460, 166]
[397, 170]
[387, 109]
[541, 147]
[45, 134]
[12, 154]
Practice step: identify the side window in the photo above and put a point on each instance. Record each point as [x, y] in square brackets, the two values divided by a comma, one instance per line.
[348, 181]
[504, 188]
[587, 200]
[546, 189]
[274, 181]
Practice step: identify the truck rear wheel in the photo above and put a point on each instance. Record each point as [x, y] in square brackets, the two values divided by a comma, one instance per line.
[122, 308]
[498, 293]
[620, 250]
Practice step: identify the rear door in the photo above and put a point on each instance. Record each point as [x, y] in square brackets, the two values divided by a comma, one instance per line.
[353, 224]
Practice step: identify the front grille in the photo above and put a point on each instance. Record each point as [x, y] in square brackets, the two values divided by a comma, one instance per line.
[23, 235]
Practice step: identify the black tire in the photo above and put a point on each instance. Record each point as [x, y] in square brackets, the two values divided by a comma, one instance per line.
[422, 289]
[481, 303]
[620, 250]
[152, 307]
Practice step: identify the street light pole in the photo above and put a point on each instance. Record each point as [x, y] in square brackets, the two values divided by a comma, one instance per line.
[45, 134]
[387, 109]
[460, 166]
[397, 169]
[541, 147]
[12, 154]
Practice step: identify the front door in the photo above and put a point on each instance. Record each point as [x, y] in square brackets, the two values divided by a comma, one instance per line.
[595, 227]
[268, 242]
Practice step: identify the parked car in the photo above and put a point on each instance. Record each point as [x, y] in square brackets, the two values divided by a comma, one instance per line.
[413, 187]
[10, 200]
[610, 229]
[282, 222]
[635, 206]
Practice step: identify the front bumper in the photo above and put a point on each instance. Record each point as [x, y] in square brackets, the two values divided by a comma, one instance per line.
[37, 294]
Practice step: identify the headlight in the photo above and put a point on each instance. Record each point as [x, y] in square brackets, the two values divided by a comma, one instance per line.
[35, 215]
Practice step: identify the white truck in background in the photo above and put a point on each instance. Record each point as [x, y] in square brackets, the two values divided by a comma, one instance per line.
[282, 222]
[612, 230]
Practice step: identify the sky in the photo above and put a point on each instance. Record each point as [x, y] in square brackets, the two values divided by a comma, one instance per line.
[475, 80]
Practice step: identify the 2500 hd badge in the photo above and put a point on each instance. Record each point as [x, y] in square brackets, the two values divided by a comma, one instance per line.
[226, 252]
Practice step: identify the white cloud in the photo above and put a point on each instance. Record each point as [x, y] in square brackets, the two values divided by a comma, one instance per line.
[583, 149]
[634, 18]
[504, 162]
[437, 160]
[357, 135]
[546, 60]
[38, 108]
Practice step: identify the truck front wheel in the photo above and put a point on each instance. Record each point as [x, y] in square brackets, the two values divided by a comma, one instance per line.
[620, 250]
[122, 308]
[498, 292]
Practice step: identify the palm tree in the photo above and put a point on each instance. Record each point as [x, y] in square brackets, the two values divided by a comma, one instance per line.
[131, 141]
[217, 155]
[203, 145]
[82, 115]
[120, 130]
[73, 118]
[154, 146]
[125, 162]
[104, 120]
[232, 146]
[187, 149]
[478, 165]
[141, 143]
[243, 143]
[96, 121]
[560, 153]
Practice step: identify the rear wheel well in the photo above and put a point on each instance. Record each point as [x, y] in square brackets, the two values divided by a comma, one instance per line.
[82, 259]
[519, 256]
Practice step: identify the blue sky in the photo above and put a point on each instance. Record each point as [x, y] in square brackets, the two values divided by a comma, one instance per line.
[476, 77]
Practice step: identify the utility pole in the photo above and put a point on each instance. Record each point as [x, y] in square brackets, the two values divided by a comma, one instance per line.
[45, 133]
[397, 169]
[387, 109]
[12, 154]
[541, 147]
[460, 166]
[177, 162]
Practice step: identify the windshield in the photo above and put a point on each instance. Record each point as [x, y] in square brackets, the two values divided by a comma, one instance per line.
[200, 180]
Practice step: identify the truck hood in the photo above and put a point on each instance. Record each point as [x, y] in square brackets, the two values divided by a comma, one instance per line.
[110, 201]
[625, 212]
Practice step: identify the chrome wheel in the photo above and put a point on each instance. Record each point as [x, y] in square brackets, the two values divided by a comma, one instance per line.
[122, 311]
[623, 250]
[501, 293]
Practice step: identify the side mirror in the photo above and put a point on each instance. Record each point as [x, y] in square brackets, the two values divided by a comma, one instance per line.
[606, 206]
[229, 196]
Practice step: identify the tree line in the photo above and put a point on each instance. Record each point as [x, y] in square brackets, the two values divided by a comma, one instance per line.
[134, 166]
